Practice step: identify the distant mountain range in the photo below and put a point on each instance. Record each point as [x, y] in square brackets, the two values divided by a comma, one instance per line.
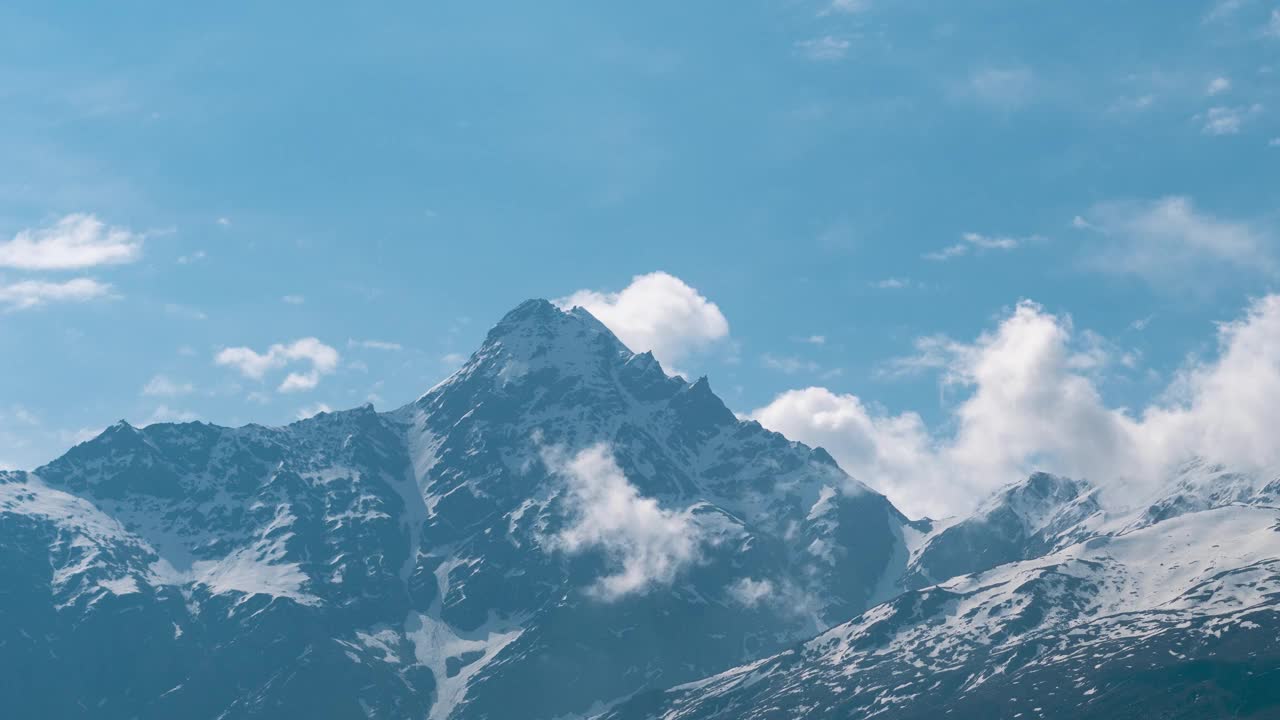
[562, 530]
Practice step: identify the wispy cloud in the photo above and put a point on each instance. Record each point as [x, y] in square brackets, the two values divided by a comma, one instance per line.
[846, 7]
[312, 410]
[1170, 243]
[1223, 120]
[977, 242]
[27, 294]
[789, 364]
[891, 283]
[184, 312]
[374, 345]
[825, 48]
[75, 242]
[166, 414]
[647, 545]
[163, 386]
[1004, 87]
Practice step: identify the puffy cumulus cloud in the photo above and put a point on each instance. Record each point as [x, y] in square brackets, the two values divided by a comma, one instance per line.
[656, 312]
[894, 453]
[1227, 409]
[1169, 243]
[76, 241]
[27, 294]
[1030, 401]
[649, 545]
[254, 365]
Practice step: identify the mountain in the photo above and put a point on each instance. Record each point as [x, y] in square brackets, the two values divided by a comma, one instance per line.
[1169, 610]
[556, 527]
[1026, 520]
[562, 530]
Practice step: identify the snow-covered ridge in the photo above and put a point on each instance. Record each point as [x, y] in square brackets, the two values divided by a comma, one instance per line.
[416, 559]
[1171, 590]
[446, 559]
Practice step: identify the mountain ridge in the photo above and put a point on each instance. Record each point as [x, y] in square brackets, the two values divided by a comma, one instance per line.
[428, 548]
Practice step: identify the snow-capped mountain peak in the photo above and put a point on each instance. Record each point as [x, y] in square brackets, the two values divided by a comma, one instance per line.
[553, 515]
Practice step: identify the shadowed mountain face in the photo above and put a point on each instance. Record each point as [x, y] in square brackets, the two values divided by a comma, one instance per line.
[556, 527]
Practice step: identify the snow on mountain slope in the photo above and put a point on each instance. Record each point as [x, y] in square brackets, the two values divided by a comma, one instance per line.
[1025, 520]
[445, 559]
[1173, 619]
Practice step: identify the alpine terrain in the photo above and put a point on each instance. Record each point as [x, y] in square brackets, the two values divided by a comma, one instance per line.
[562, 530]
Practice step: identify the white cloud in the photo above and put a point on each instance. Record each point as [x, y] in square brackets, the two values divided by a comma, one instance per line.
[971, 242]
[816, 339]
[1031, 402]
[1169, 243]
[1273, 24]
[827, 47]
[657, 312]
[887, 452]
[1007, 87]
[947, 252]
[892, 283]
[254, 365]
[453, 359]
[193, 258]
[312, 410]
[293, 299]
[31, 293]
[162, 386]
[165, 414]
[375, 345]
[184, 312]
[76, 241]
[1223, 120]
[789, 364]
[846, 7]
[749, 592]
[1141, 323]
[647, 544]
[1223, 9]
[22, 416]
[1218, 86]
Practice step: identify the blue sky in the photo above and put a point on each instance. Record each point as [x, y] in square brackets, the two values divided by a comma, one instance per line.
[389, 182]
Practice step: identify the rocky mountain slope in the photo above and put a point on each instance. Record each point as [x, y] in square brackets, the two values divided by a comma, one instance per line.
[556, 527]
